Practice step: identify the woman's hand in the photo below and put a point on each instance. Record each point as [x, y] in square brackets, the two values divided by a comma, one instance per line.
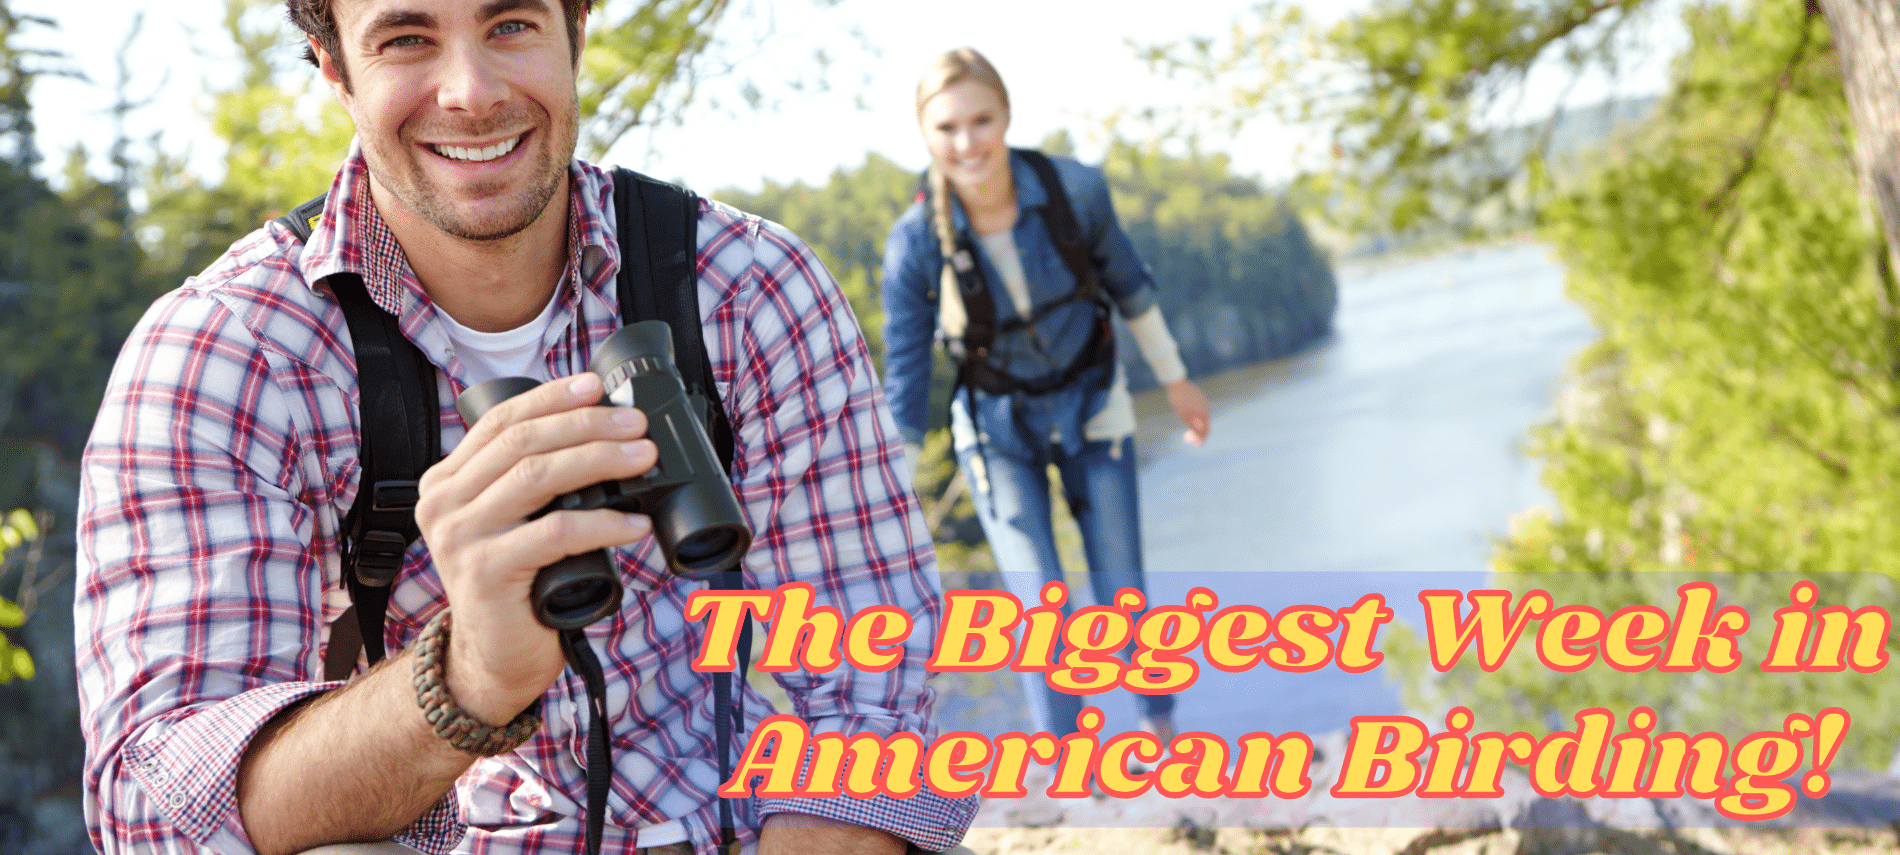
[1192, 407]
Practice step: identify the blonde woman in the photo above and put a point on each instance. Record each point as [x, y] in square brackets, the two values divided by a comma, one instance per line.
[1036, 261]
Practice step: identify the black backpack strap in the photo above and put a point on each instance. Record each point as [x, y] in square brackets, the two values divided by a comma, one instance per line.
[399, 416]
[1064, 231]
[972, 351]
[979, 309]
[302, 220]
[664, 285]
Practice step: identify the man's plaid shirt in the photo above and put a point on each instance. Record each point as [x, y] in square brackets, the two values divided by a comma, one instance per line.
[226, 452]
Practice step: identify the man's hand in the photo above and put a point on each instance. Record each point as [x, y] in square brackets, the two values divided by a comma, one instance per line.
[1192, 407]
[804, 834]
[473, 510]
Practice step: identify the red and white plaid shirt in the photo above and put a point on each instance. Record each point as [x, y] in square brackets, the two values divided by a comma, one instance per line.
[225, 455]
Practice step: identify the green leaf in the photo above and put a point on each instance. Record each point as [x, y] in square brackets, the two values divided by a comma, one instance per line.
[22, 521]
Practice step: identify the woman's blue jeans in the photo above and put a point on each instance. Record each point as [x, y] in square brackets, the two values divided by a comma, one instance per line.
[1010, 487]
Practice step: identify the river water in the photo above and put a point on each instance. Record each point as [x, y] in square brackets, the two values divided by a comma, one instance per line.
[1385, 459]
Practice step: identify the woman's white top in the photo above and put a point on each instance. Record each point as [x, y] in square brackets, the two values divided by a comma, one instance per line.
[1158, 349]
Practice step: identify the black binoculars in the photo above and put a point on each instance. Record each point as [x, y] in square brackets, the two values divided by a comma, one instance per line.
[695, 514]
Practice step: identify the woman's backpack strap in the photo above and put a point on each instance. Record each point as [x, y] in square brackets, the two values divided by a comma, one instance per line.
[1064, 230]
[970, 350]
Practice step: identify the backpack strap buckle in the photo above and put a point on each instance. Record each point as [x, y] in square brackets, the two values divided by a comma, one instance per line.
[394, 496]
[378, 557]
[389, 527]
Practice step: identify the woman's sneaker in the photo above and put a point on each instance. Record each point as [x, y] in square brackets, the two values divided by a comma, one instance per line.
[1162, 726]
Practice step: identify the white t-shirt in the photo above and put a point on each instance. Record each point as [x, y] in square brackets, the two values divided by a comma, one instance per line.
[509, 353]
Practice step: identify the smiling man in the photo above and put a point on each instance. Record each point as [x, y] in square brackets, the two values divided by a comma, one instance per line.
[227, 451]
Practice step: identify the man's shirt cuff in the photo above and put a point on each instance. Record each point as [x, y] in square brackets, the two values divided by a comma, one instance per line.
[184, 768]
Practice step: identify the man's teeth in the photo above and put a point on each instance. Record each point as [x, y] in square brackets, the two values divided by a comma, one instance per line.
[477, 155]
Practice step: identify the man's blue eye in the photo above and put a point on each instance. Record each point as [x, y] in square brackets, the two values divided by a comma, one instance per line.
[405, 41]
[511, 27]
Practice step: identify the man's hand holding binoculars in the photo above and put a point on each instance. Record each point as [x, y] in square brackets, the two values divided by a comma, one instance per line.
[477, 512]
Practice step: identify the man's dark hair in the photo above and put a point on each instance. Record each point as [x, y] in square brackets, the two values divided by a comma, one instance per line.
[315, 19]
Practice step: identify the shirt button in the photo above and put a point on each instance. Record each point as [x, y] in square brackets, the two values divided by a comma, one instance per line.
[177, 798]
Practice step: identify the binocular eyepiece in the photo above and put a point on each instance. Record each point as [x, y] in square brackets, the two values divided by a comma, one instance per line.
[696, 517]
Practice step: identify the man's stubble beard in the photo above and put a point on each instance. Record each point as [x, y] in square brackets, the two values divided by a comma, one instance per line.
[422, 197]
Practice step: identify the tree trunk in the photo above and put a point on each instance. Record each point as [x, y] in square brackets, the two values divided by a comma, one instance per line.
[1867, 37]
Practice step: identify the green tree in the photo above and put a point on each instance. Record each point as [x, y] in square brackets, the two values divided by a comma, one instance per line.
[642, 65]
[1741, 400]
[1410, 94]
[1735, 423]
[283, 136]
[68, 291]
[1239, 279]
[68, 274]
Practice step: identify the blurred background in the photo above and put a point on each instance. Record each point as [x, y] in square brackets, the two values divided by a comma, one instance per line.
[1593, 296]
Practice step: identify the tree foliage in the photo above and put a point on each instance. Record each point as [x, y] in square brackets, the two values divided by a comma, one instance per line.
[1741, 402]
[1240, 280]
[68, 292]
[16, 529]
[1414, 97]
[1735, 423]
[640, 64]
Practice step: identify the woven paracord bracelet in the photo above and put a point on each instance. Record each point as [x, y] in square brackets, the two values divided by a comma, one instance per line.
[450, 721]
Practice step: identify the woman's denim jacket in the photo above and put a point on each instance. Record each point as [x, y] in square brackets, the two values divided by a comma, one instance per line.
[913, 268]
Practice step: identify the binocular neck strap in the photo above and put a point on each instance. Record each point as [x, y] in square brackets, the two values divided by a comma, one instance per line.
[729, 713]
[726, 715]
[600, 770]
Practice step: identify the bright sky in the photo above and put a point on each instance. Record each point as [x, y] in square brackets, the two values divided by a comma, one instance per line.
[1067, 63]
